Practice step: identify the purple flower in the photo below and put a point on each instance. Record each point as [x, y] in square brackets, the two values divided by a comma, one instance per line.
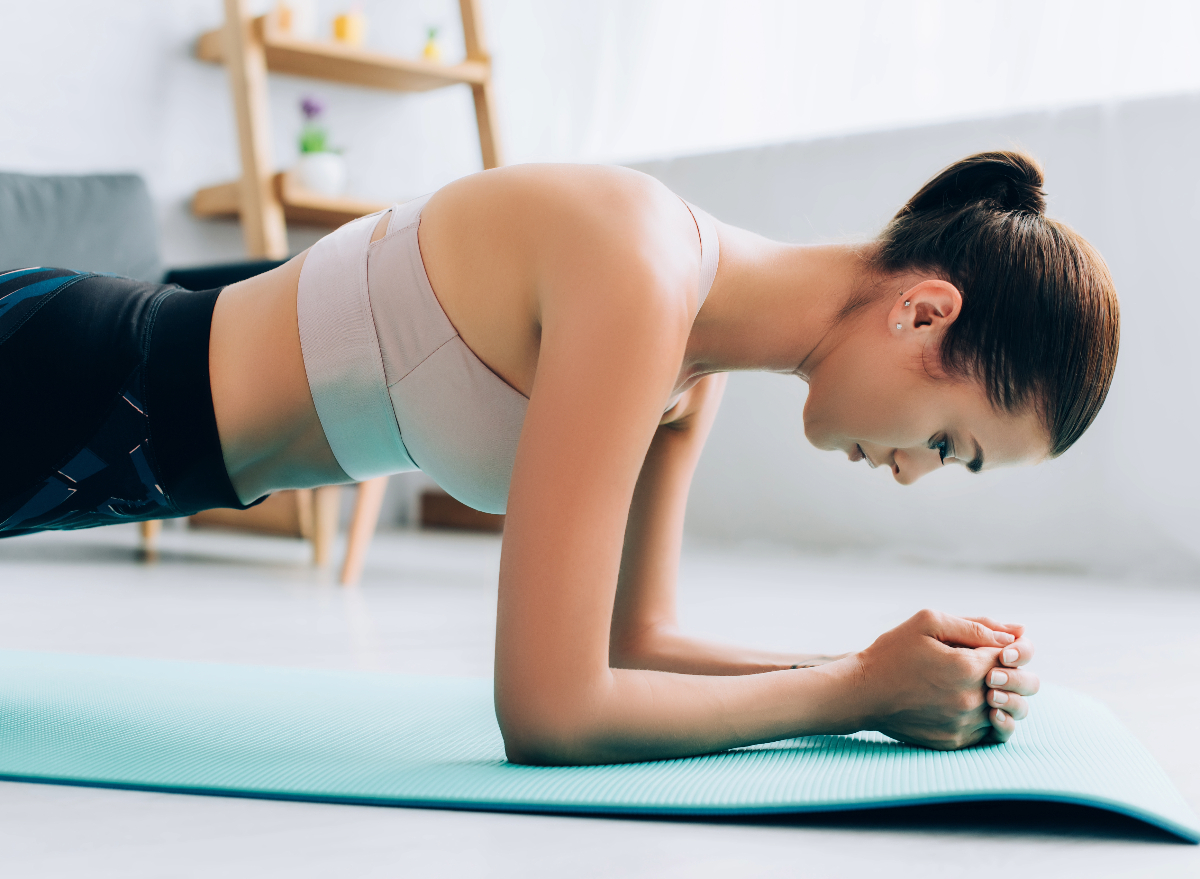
[311, 107]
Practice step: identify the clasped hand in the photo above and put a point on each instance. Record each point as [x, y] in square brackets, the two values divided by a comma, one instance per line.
[947, 682]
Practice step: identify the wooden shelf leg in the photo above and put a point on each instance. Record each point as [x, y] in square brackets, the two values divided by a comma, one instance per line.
[150, 529]
[485, 118]
[304, 511]
[326, 506]
[485, 102]
[263, 226]
[362, 527]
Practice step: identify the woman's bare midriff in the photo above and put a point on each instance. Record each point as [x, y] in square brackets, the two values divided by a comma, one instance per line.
[271, 437]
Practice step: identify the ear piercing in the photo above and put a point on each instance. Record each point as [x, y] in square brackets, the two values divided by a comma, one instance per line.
[907, 304]
[899, 326]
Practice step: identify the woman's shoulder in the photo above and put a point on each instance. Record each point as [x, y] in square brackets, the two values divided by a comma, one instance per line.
[561, 214]
[562, 185]
[545, 240]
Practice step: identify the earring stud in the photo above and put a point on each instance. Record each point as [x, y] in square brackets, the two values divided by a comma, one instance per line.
[907, 304]
[899, 326]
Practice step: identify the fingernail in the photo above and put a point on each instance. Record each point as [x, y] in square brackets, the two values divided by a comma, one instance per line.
[1010, 655]
[1001, 717]
[999, 697]
[1004, 637]
[998, 678]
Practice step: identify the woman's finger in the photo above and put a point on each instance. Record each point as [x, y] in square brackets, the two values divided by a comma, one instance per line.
[1017, 653]
[1003, 725]
[1014, 629]
[961, 632]
[1013, 680]
[1013, 705]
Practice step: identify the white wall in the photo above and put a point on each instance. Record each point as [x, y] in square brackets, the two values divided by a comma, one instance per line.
[112, 86]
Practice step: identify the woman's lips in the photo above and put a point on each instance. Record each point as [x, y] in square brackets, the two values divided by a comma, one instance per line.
[859, 455]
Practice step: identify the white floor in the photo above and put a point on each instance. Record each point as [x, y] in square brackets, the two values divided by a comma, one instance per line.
[427, 605]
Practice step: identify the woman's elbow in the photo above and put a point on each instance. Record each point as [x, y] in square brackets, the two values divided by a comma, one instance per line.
[549, 735]
[527, 751]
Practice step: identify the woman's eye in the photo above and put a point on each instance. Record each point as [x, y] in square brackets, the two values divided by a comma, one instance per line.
[943, 448]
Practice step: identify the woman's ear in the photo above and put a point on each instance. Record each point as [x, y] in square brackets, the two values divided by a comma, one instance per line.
[926, 309]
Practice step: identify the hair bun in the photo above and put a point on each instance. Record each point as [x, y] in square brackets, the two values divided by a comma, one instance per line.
[1010, 181]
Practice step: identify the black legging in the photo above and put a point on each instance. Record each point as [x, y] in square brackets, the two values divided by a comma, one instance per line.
[106, 413]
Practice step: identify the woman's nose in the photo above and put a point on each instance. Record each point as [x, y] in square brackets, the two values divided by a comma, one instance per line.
[909, 465]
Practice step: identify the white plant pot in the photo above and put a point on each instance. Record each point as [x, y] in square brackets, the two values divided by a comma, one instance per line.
[323, 173]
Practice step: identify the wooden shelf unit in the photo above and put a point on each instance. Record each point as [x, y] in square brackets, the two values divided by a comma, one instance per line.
[250, 47]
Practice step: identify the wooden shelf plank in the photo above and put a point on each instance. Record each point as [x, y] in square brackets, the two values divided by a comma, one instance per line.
[340, 63]
[303, 206]
[299, 205]
[222, 200]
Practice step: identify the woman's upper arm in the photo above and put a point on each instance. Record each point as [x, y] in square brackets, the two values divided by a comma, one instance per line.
[610, 353]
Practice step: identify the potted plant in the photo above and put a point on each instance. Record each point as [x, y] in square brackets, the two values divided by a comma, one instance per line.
[321, 168]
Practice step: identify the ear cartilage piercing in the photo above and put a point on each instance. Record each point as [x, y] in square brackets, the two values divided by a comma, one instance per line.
[899, 326]
[907, 304]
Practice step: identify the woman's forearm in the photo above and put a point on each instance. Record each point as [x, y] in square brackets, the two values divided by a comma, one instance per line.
[639, 714]
[921, 682]
[668, 650]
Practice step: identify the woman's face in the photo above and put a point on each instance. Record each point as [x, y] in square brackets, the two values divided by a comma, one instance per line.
[879, 396]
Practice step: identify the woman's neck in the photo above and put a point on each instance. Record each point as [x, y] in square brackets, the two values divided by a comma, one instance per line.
[774, 307]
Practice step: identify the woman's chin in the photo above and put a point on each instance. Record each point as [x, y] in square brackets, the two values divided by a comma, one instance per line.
[819, 432]
[822, 439]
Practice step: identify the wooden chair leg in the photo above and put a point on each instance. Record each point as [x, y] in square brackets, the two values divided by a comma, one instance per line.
[150, 529]
[326, 505]
[362, 527]
[304, 511]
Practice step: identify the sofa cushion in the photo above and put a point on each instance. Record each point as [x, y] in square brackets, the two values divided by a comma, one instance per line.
[89, 222]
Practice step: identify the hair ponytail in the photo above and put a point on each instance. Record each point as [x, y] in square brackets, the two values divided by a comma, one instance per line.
[1040, 321]
[1004, 181]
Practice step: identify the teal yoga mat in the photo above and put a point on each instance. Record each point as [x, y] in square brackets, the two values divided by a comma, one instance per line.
[360, 737]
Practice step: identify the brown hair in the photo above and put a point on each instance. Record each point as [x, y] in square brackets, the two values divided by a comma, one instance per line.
[1040, 322]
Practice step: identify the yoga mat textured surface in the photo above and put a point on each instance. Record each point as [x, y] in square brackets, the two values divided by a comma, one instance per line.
[417, 741]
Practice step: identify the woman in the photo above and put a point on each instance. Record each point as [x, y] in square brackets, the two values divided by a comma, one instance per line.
[534, 338]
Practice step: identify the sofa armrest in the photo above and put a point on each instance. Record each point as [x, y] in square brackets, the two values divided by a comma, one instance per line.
[219, 275]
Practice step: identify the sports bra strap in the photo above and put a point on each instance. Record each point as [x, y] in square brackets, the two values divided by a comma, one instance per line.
[710, 250]
[406, 213]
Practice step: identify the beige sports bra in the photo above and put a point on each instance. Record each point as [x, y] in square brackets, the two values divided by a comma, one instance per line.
[394, 385]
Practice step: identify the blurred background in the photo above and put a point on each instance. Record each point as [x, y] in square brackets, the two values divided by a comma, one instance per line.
[805, 121]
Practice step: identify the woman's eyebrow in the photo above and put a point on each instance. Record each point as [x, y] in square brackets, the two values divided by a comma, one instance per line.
[976, 463]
